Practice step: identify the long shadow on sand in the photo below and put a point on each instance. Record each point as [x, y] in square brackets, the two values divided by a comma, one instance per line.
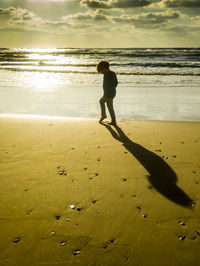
[161, 175]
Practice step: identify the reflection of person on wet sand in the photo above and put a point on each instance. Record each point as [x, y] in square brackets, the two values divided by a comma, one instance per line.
[161, 175]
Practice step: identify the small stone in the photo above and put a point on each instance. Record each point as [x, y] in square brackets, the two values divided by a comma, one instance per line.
[139, 207]
[26, 189]
[181, 223]
[72, 206]
[144, 216]
[98, 159]
[182, 238]
[79, 209]
[112, 240]
[85, 168]
[124, 179]
[94, 201]
[158, 150]
[61, 172]
[76, 252]
[174, 156]
[193, 203]
[194, 172]
[63, 243]
[198, 232]
[57, 217]
[125, 258]
[53, 233]
[16, 239]
[28, 211]
[67, 219]
[125, 152]
[105, 246]
[96, 174]
[160, 142]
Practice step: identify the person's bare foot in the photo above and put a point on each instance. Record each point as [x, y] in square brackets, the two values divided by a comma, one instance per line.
[102, 118]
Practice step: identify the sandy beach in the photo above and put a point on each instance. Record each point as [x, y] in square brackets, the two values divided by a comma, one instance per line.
[74, 192]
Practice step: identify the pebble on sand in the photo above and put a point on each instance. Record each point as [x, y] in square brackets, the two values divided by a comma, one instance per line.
[181, 223]
[72, 206]
[16, 239]
[63, 243]
[57, 217]
[144, 215]
[28, 211]
[62, 172]
[76, 252]
[182, 238]
[198, 232]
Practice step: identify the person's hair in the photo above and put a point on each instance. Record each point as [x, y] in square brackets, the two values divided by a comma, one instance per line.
[102, 65]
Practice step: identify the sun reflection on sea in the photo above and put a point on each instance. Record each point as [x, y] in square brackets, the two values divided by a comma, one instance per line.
[44, 82]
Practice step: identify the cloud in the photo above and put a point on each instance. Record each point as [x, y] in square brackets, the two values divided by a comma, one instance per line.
[96, 4]
[148, 20]
[19, 16]
[180, 3]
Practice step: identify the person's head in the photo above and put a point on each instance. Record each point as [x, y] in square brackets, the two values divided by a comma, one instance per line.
[102, 66]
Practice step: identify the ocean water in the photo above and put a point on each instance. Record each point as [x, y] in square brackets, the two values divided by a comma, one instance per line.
[154, 84]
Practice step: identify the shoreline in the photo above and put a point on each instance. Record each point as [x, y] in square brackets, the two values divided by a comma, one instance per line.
[74, 192]
[120, 120]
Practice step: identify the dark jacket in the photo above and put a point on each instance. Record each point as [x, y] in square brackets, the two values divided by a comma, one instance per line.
[109, 84]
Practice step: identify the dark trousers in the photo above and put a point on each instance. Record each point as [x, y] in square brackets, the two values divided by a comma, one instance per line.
[109, 103]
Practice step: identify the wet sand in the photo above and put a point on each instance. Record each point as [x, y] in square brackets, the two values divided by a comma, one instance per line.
[74, 192]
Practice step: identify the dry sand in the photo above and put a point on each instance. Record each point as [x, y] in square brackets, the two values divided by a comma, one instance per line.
[74, 192]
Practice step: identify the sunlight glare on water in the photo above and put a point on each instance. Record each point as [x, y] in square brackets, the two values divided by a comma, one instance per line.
[44, 82]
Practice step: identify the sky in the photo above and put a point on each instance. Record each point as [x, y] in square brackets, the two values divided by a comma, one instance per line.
[99, 23]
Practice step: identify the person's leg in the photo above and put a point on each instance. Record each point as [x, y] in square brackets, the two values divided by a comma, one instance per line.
[109, 103]
[103, 109]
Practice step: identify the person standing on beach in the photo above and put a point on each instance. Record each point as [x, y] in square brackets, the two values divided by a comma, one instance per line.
[109, 88]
